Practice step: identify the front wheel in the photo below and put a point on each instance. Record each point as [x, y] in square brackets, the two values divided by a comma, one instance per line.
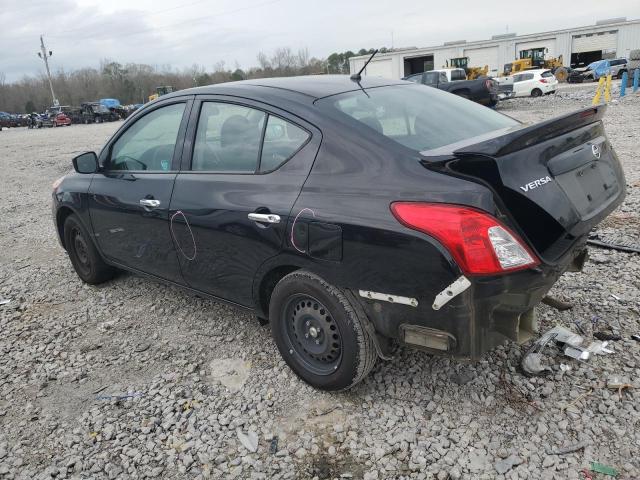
[320, 333]
[84, 256]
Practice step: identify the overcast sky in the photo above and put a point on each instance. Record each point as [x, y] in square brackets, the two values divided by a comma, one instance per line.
[181, 33]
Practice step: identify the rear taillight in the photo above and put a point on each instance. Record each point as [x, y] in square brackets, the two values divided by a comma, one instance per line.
[478, 242]
[544, 80]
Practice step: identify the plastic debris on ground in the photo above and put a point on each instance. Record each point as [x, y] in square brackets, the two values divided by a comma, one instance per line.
[569, 343]
[604, 469]
[273, 447]
[4, 301]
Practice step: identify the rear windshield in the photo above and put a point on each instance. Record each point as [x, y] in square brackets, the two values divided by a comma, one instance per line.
[417, 116]
[547, 74]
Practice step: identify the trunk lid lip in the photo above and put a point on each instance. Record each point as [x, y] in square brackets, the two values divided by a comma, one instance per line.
[511, 139]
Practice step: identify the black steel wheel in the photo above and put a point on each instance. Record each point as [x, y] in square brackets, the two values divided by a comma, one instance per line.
[321, 332]
[313, 333]
[84, 256]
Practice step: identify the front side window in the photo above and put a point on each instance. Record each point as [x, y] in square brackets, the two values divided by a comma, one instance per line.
[149, 143]
[282, 140]
[416, 117]
[227, 138]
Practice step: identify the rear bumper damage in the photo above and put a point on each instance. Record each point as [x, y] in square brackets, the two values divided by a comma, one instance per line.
[477, 315]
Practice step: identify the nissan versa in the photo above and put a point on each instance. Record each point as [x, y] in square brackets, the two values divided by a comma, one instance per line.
[349, 214]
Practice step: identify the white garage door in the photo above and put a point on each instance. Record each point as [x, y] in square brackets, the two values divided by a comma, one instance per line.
[380, 68]
[549, 44]
[590, 42]
[479, 57]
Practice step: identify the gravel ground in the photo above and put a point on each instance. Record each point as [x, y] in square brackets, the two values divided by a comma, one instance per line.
[135, 379]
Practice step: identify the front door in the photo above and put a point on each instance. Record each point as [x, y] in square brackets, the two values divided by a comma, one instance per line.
[233, 197]
[129, 198]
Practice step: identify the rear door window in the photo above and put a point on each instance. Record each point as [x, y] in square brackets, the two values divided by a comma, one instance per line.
[282, 139]
[227, 138]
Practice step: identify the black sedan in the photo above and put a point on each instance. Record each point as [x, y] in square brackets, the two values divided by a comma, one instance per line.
[350, 215]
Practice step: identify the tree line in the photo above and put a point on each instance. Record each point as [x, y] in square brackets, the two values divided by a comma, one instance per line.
[134, 82]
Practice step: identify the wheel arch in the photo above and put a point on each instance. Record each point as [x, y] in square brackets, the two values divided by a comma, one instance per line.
[61, 216]
[265, 282]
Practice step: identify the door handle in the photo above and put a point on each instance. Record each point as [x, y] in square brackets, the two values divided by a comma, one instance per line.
[146, 202]
[264, 217]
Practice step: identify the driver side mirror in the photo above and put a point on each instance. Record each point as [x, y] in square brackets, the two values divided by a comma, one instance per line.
[86, 163]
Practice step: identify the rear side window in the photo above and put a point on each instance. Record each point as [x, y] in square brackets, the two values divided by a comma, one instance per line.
[527, 76]
[227, 138]
[458, 75]
[418, 118]
[148, 144]
[282, 140]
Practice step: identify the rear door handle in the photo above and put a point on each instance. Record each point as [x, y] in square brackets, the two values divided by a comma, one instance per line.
[264, 217]
[146, 202]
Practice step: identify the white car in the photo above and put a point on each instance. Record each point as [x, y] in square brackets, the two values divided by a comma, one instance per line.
[534, 83]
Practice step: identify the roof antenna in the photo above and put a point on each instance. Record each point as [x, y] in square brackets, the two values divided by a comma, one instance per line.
[356, 76]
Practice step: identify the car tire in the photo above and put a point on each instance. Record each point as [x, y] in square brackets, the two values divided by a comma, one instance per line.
[536, 92]
[320, 333]
[84, 255]
[620, 73]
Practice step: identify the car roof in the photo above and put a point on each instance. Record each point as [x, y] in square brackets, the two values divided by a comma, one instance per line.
[315, 86]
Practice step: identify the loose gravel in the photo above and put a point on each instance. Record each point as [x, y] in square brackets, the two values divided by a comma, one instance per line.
[135, 379]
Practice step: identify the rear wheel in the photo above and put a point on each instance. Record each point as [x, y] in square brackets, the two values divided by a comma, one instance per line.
[320, 334]
[536, 92]
[84, 256]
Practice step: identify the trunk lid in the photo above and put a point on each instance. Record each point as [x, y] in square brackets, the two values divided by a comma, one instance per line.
[556, 179]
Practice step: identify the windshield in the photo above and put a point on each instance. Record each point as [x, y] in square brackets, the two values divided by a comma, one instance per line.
[417, 116]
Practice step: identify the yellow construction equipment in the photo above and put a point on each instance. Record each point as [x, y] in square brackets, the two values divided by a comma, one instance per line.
[471, 72]
[160, 91]
[535, 58]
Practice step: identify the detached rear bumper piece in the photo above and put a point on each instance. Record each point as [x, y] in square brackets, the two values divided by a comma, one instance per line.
[484, 315]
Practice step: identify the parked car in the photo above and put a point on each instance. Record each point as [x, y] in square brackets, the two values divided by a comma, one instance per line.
[590, 73]
[534, 83]
[618, 67]
[95, 112]
[5, 120]
[481, 90]
[350, 214]
[60, 120]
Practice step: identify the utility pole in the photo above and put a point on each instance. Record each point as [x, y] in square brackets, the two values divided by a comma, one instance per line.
[44, 55]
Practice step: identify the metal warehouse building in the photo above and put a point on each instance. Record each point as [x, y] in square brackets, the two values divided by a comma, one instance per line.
[578, 46]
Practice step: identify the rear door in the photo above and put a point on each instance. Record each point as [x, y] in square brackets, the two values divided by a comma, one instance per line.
[243, 167]
[129, 198]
